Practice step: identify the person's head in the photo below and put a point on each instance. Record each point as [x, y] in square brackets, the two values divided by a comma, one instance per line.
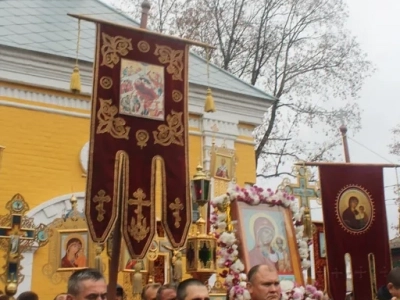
[149, 292]
[191, 289]
[120, 292]
[353, 202]
[361, 208]
[28, 296]
[86, 284]
[263, 283]
[393, 280]
[166, 292]
[223, 161]
[62, 296]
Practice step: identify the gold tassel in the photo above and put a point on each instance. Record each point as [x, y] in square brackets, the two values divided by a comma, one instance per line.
[75, 84]
[98, 263]
[209, 105]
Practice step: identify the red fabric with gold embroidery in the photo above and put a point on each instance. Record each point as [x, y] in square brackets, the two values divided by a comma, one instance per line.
[139, 121]
[319, 247]
[355, 222]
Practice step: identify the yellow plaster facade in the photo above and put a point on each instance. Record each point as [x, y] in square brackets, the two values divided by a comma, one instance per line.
[41, 160]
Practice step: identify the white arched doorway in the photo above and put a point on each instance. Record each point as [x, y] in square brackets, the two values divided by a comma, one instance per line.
[45, 213]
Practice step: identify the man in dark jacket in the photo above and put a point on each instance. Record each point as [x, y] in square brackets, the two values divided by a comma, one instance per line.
[392, 289]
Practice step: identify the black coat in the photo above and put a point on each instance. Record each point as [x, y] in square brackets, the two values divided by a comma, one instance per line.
[383, 293]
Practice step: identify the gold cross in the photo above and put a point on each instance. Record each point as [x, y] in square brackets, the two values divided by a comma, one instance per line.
[176, 207]
[101, 198]
[138, 228]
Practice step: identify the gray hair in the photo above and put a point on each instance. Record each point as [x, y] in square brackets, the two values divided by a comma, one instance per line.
[74, 281]
[170, 286]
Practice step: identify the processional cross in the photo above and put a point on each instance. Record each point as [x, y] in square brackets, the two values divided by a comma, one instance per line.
[304, 192]
[12, 229]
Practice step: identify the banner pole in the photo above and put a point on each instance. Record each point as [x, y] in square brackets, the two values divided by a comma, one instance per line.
[117, 239]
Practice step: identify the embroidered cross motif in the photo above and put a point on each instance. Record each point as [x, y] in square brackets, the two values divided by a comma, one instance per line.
[176, 207]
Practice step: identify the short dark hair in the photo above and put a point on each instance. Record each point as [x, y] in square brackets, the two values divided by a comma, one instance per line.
[182, 287]
[61, 294]
[149, 286]
[169, 286]
[81, 275]
[394, 277]
[28, 296]
[254, 270]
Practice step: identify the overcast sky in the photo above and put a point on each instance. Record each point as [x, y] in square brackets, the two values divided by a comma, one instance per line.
[375, 24]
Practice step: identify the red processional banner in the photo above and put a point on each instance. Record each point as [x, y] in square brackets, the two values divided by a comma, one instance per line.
[319, 247]
[138, 137]
[355, 224]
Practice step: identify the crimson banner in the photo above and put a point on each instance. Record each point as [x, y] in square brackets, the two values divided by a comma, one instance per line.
[319, 247]
[139, 137]
[355, 224]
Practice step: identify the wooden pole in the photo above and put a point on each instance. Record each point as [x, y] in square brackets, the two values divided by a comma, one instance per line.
[343, 131]
[145, 14]
[117, 238]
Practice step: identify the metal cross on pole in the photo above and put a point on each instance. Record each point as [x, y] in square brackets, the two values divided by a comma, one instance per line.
[18, 233]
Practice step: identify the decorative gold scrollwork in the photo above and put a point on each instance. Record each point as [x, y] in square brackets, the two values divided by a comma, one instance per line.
[112, 46]
[176, 208]
[108, 123]
[142, 136]
[106, 82]
[174, 59]
[177, 96]
[100, 198]
[171, 133]
[143, 46]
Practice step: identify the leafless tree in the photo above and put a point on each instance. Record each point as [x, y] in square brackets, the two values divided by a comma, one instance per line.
[297, 50]
[395, 145]
[162, 12]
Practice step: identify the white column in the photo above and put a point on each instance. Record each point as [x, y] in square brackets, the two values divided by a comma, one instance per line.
[27, 270]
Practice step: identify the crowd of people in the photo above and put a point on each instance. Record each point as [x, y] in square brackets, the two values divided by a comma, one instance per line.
[263, 284]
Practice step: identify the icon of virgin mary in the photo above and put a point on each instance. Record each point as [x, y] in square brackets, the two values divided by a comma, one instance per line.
[74, 252]
[263, 252]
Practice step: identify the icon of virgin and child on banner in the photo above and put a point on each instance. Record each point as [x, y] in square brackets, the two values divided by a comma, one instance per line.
[268, 238]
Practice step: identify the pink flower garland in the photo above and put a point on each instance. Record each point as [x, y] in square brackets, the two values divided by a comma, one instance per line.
[228, 253]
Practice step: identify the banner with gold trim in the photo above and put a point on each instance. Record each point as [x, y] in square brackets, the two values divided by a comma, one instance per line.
[355, 223]
[139, 137]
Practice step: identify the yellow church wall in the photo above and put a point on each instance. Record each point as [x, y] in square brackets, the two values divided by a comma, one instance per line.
[41, 159]
[246, 165]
